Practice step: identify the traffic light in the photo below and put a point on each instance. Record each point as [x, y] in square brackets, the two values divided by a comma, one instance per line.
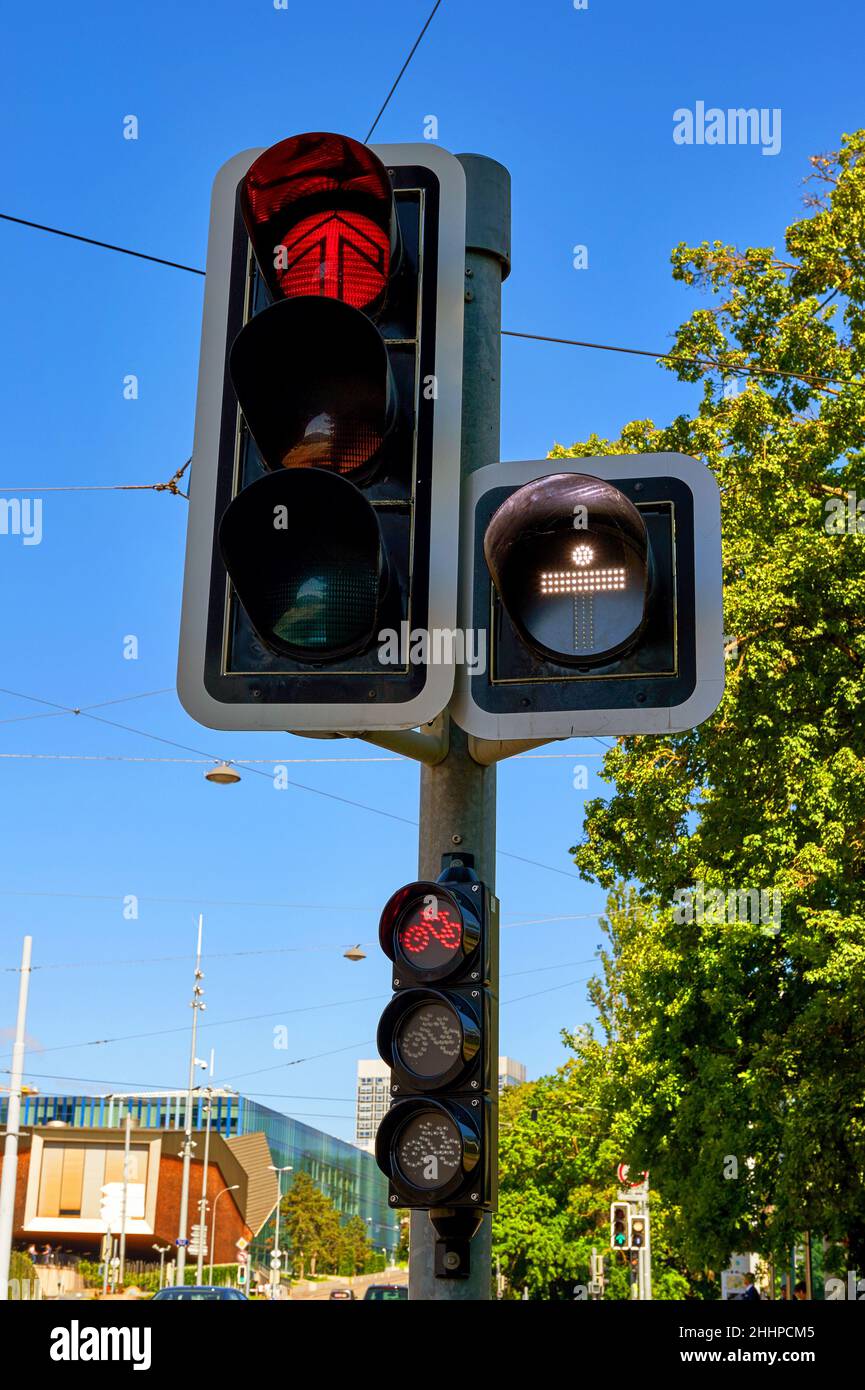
[620, 1226]
[437, 1143]
[638, 1232]
[324, 487]
[597, 582]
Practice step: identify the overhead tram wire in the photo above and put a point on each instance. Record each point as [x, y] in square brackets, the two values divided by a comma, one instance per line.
[399, 75]
[738, 369]
[307, 1008]
[301, 786]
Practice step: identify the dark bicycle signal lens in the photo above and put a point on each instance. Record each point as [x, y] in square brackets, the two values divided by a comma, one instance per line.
[428, 1150]
[427, 1042]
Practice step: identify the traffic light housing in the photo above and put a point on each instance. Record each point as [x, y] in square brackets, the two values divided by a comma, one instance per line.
[638, 1231]
[597, 583]
[620, 1226]
[437, 1142]
[325, 474]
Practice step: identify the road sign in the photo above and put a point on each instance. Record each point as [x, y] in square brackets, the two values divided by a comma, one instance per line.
[597, 585]
[241, 1243]
[181, 1240]
[242, 1257]
[324, 489]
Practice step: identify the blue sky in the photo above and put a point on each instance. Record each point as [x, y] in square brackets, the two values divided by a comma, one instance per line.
[579, 105]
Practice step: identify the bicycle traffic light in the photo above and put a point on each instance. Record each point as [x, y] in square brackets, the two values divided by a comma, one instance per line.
[437, 1143]
[597, 582]
[638, 1232]
[620, 1226]
[325, 472]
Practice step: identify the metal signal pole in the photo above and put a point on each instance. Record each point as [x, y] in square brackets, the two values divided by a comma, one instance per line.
[196, 1004]
[458, 795]
[13, 1120]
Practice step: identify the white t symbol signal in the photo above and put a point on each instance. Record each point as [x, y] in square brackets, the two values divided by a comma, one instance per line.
[583, 583]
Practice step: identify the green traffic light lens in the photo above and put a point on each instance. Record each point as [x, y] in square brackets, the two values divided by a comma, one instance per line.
[304, 551]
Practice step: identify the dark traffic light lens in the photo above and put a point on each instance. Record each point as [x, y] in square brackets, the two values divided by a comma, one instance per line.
[569, 557]
[319, 212]
[315, 386]
[430, 933]
[428, 1150]
[305, 554]
[428, 1040]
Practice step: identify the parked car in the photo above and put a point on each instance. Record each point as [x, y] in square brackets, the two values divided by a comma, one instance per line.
[341, 1295]
[378, 1291]
[201, 1293]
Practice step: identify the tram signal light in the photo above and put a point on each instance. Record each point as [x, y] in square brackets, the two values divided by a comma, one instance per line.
[438, 1034]
[325, 473]
[597, 583]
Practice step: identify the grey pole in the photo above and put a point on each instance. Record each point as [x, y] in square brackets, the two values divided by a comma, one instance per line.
[197, 1004]
[13, 1120]
[127, 1140]
[458, 795]
[202, 1205]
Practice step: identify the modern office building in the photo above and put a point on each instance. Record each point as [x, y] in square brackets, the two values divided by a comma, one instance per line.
[511, 1073]
[373, 1099]
[71, 1146]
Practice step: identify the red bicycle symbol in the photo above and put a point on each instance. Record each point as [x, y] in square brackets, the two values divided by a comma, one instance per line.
[417, 935]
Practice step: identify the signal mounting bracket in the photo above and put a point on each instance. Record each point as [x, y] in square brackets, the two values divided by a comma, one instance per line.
[455, 1230]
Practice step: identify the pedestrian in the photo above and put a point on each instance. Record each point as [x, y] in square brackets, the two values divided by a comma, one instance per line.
[800, 1293]
[751, 1290]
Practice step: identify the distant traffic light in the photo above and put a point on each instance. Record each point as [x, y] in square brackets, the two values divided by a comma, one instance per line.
[620, 1226]
[436, 1144]
[638, 1232]
[325, 471]
[598, 584]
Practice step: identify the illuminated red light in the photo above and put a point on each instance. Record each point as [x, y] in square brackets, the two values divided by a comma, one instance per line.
[422, 932]
[319, 212]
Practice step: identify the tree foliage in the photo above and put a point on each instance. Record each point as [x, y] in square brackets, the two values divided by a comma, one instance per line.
[719, 1040]
[319, 1241]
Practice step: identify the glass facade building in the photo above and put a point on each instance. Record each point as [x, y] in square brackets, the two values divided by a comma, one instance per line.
[345, 1173]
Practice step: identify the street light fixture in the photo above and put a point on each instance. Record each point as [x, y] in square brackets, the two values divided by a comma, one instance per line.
[234, 1187]
[162, 1251]
[276, 1257]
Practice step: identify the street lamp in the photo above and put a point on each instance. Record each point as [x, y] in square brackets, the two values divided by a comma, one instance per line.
[233, 1188]
[276, 1257]
[162, 1251]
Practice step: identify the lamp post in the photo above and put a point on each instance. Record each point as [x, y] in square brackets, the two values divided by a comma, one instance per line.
[202, 1204]
[276, 1258]
[196, 1004]
[162, 1251]
[233, 1188]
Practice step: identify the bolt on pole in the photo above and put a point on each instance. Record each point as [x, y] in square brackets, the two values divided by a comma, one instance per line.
[458, 795]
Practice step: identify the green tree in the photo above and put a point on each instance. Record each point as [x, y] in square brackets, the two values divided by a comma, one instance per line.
[727, 1042]
[355, 1248]
[557, 1163]
[311, 1226]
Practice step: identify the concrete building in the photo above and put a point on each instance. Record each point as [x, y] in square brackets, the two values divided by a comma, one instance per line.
[373, 1099]
[511, 1073]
